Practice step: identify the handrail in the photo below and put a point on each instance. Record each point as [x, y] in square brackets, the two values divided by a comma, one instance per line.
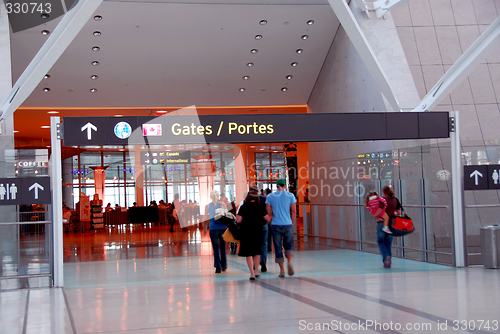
[26, 223]
[362, 205]
[26, 276]
[483, 206]
[373, 243]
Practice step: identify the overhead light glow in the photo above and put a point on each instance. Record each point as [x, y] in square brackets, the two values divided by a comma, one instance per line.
[242, 89]
[289, 77]
[97, 33]
[46, 90]
[249, 64]
[284, 89]
[310, 22]
[254, 51]
[96, 48]
[294, 64]
[45, 126]
[45, 32]
[52, 112]
[258, 37]
[93, 77]
[93, 90]
[246, 77]
[95, 63]
[44, 16]
[305, 37]
[299, 51]
[46, 76]
[262, 22]
[98, 17]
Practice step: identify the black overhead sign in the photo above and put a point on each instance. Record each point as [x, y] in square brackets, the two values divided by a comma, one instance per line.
[165, 157]
[31, 190]
[481, 177]
[260, 128]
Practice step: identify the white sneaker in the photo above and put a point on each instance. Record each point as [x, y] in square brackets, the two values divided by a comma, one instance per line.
[386, 230]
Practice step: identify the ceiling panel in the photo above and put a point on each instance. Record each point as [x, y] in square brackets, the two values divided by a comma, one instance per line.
[165, 54]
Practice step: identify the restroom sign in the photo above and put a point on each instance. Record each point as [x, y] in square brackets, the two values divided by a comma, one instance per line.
[481, 177]
[18, 191]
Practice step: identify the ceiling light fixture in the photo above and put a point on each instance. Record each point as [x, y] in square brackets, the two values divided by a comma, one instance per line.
[246, 77]
[299, 51]
[45, 126]
[93, 77]
[46, 76]
[249, 64]
[161, 112]
[254, 51]
[258, 37]
[44, 16]
[98, 17]
[304, 37]
[310, 22]
[45, 32]
[294, 64]
[46, 90]
[262, 22]
[242, 90]
[95, 63]
[96, 48]
[93, 90]
[52, 112]
[289, 77]
[97, 33]
[284, 89]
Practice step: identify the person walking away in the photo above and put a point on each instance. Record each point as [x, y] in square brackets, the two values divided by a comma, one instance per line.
[216, 231]
[252, 216]
[282, 213]
[384, 240]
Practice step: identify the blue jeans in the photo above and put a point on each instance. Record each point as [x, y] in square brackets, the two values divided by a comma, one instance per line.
[282, 238]
[384, 241]
[263, 248]
[219, 248]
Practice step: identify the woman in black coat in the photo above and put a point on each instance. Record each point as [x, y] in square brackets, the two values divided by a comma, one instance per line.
[252, 216]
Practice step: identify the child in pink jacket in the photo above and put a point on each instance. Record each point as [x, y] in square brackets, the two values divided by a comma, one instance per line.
[376, 205]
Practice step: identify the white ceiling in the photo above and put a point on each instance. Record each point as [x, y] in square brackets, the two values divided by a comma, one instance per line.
[167, 54]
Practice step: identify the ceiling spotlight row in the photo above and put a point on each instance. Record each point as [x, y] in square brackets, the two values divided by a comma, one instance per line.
[46, 90]
[247, 77]
[95, 48]
[283, 89]
[264, 22]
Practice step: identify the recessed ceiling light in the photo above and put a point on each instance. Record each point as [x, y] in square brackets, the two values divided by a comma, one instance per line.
[262, 22]
[93, 90]
[93, 77]
[242, 89]
[258, 36]
[45, 32]
[289, 77]
[299, 51]
[44, 16]
[310, 22]
[252, 146]
[97, 33]
[118, 115]
[46, 90]
[254, 51]
[96, 48]
[46, 76]
[45, 126]
[305, 37]
[294, 64]
[261, 149]
[284, 89]
[161, 112]
[249, 64]
[52, 112]
[48, 146]
[246, 77]
[275, 151]
[95, 63]
[16, 131]
[98, 17]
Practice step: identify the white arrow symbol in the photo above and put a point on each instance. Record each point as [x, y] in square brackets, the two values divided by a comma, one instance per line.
[35, 186]
[89, 127]
[475, 174]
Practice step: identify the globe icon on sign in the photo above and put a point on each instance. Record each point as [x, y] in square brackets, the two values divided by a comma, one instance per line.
[123, 130]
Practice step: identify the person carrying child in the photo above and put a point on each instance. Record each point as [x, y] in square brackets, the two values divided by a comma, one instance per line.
[376, 205]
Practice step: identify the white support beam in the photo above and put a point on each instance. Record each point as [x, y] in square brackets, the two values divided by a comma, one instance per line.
[487, 42]
[359, 41]
[382, 6]
[58, 41]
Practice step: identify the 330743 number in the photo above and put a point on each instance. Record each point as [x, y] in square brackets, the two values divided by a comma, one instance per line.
[28, 8]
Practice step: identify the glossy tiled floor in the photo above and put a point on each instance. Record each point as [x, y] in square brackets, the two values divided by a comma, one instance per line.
[160, 290]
